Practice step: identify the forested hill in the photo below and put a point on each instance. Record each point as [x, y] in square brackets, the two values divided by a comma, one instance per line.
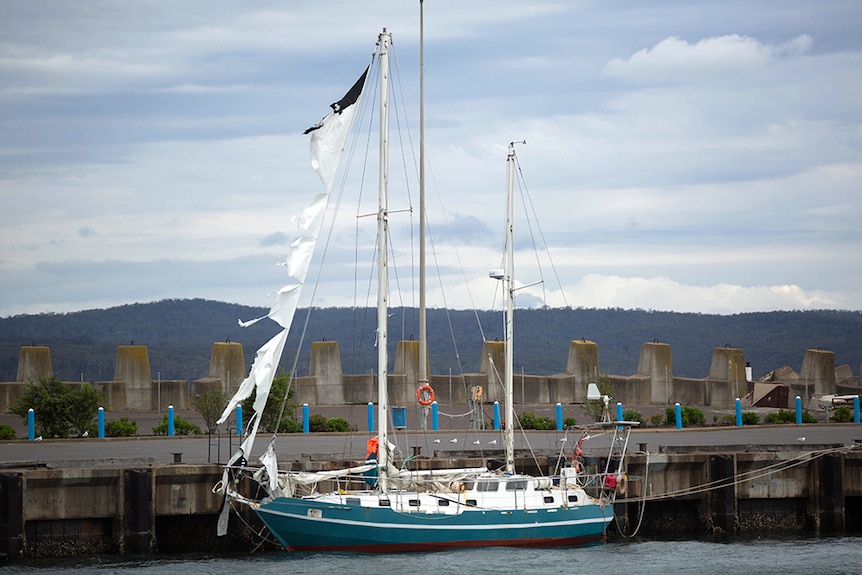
[179, 335]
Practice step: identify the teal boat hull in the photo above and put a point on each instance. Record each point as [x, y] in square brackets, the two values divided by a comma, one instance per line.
[307, 525]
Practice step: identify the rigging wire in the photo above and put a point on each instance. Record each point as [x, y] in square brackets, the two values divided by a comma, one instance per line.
[723, 483]
[532, 210]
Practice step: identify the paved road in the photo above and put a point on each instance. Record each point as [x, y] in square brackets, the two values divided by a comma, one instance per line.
[143, 450]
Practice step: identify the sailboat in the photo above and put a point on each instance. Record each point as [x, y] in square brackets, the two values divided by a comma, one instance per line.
[381, 507]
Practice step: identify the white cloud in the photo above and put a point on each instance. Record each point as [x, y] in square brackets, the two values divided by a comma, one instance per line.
[664, 294]
[703, 159]
[675, 60]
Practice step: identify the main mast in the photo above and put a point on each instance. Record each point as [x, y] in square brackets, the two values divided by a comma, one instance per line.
[384, 40]
[509, 418]
[423, 335]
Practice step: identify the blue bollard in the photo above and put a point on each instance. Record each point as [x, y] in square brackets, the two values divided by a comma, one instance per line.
[559, 417]
[31, 424]
[101, 423]
[798, 410]
[496, 415]
[370, 416]
[238, 419]
[619, 411]
[856, 409]
[305, 418]
[435, 416]
[170, 421]
[678, 412]
[738, 413]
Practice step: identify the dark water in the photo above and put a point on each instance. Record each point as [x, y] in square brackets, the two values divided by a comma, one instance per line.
[820, 556]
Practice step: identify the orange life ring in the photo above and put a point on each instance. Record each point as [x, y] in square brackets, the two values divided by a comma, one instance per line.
[425, 395]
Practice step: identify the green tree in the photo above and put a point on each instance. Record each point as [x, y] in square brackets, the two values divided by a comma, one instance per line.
[84, 402]
[210, 405]
[49, 399]
[269, 418]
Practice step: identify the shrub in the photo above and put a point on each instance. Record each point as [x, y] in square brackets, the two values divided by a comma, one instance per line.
[657, 420]
[632, 415]
[690, 416]
[6, 432]
[337, 424]
[181, 427]
[569, 422]
[317, 423]
[290, 425]
[728, 420]
[750, 418]
[788, 416]
[121, 428]
[781, 416]
[210, 405]
[530, 421]
[842, 414]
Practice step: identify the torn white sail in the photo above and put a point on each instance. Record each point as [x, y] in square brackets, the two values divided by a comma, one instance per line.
[329, 135]
[328, 138]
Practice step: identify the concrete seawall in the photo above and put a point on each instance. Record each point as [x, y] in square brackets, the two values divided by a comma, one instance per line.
[142, 506]
[654, 383]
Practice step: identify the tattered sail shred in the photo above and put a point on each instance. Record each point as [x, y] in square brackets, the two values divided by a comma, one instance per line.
[327, 143]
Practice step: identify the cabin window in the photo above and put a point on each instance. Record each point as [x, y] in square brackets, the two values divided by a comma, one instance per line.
[549, 499]
[414, 503]
[573, 498]
[384, 503]
[521, 484]
[353, 501]
[488, 486]
[443, 502]
[471, 502]
[468, 485]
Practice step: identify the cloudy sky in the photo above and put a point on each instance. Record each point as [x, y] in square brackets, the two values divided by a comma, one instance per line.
[689, 156]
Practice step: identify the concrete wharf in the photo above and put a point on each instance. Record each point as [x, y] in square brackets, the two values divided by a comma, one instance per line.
[141, 495]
